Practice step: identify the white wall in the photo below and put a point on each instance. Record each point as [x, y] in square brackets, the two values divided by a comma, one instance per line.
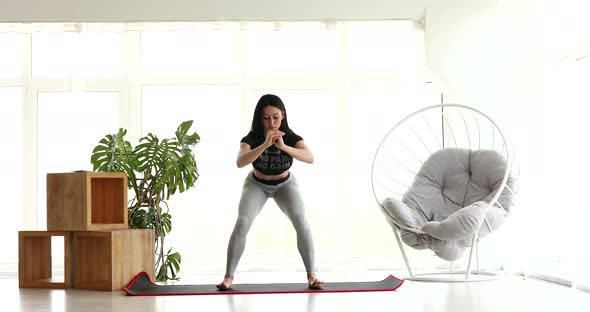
[504, 57]
[198, 10]
[488, 60]
[500, 54]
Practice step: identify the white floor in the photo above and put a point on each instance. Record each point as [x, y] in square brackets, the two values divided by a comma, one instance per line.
[511, 293]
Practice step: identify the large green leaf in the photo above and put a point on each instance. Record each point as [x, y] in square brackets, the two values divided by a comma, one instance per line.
[185, 140]
[151, 154]
[113, 154]
[170, 268]
[166, 223]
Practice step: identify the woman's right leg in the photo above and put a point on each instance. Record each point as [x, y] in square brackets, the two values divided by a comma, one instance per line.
[251, 203]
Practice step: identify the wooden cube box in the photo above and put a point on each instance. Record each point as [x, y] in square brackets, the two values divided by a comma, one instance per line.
[108, 260]
[86, 201]
[34, 260]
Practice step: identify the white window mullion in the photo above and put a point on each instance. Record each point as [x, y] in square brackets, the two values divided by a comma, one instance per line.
[130, 95]
[246, 108]
[343, 128]
[295, 83]
[176, 80]
[77, 84]
[29, 137]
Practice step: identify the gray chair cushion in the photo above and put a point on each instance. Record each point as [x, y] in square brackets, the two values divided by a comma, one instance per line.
[459, 225]
[448, 200]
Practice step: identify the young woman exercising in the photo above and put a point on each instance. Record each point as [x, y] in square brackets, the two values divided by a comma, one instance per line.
[270, 147]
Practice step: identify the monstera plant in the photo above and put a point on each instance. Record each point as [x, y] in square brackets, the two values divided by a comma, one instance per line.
[156, 169]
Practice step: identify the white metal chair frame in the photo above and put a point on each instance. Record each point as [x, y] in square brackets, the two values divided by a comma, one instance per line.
[471, 138]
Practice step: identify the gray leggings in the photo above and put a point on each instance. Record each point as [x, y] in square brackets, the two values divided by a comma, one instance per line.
[288, 198]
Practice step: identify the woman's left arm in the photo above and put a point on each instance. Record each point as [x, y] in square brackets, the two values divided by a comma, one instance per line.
[299, 152]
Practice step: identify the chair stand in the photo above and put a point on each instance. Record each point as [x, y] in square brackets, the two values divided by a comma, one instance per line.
[451, 276]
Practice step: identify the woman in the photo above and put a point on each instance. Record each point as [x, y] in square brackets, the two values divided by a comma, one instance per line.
[270, 147]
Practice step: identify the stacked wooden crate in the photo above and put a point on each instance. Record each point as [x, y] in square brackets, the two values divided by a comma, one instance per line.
[89, 210]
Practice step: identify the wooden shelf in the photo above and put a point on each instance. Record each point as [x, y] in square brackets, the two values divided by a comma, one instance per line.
[86, 201]
[89, 210]
[34, 260]
[108, 260]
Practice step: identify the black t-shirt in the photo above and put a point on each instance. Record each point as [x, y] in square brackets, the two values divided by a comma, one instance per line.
[272, 161]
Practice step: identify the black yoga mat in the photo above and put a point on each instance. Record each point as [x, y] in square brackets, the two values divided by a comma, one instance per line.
[142, 285]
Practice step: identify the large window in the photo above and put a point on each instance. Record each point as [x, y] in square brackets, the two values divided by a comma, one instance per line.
[344, 84]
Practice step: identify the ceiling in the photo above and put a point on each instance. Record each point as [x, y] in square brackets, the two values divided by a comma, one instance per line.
[207, 10]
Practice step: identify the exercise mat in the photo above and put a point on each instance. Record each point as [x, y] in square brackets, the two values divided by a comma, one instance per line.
[142, 285]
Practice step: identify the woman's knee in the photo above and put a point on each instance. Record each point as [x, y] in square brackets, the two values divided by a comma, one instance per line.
[300, 222]
[242, 226]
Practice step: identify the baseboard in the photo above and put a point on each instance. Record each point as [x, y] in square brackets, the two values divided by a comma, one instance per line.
[556, 280]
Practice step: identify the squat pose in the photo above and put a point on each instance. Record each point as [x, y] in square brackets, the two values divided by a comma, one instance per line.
[270, 147]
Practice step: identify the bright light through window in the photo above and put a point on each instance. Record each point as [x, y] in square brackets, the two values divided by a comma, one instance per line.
[203, 52]
[86, 54]
[275, 49]
[11, 54]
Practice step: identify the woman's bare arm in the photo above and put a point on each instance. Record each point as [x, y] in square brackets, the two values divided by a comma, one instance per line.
[247, 155]
[300, 152]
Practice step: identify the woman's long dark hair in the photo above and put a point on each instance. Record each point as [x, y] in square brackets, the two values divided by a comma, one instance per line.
[268, 100]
